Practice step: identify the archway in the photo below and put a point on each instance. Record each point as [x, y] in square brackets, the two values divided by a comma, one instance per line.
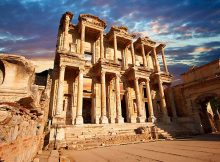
[209, 107]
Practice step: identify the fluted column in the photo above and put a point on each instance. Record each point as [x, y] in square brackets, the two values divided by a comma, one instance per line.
[156, 60]
[79, 118]
[149, 102]
[164, 61]
[166, 119]
[103, 119]
[143, 55]
[140, 118]
[119, 118]
[82, 39]
[115, 48]
[101, 44]
[132, 53]
[60, 90]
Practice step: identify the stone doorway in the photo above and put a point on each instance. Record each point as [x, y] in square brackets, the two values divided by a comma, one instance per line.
[123, 109]
[209, 114]
[146, 110]
[86, 113]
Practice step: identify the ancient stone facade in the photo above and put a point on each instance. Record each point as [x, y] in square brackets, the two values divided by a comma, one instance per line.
[24, 106]
[197, 99]
[106, 78]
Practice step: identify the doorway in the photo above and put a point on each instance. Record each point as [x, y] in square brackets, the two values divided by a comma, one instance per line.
[123, 108]
[209, 114]
[86, 113]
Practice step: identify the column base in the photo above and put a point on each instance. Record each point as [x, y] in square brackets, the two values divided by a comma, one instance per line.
[166, 119]
[132, 119]
[58, 119]
[152, 119]
[112, 120]
[140, 119]
[119, 119]
[79, 120]
[103, 120]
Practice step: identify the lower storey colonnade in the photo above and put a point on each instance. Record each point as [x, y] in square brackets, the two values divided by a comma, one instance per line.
[107, 100]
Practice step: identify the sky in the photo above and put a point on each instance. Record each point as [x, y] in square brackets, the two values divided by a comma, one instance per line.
[189, 28]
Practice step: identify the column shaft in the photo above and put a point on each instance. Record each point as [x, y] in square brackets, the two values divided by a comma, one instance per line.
[115, 48]
[66, 30]
[79, 118]
[132, 53]
[164, 61]
[143, 55]
[156, 60]
[149, 102]
[103, 119]
[82, 39]
[101, 44]
[163, 101]
[60, 90]
[119, 118]
[140, 117]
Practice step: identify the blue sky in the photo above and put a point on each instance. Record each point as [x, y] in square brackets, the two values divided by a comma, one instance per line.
[190, 28]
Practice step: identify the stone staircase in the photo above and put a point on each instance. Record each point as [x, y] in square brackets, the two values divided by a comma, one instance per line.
[89, 136]
[162, 134]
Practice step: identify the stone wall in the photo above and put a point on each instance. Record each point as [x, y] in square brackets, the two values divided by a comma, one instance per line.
[21, 133]
[24, 105]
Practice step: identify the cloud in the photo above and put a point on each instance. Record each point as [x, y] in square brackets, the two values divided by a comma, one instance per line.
[190, 28]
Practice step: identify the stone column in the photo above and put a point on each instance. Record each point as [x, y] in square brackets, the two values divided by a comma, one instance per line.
[140, 118]
[156, 60]
[60, 90]
[103, 119]
[119, 118]
[132, 53]
[115, 48]
[66, 30]
[143, 55]
[149, 102]
[79, 118]
[164, 61]
[82, 39]
[101, 44]
[165, 117]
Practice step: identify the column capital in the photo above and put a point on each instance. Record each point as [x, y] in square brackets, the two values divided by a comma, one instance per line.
[117, 75]
[81, 69]
[136, 78]
[62, 67]
[147, 79]
[103, 72]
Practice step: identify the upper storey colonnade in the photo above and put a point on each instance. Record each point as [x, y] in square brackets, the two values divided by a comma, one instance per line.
[88, 39]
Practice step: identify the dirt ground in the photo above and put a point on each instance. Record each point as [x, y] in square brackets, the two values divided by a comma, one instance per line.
[199, 148]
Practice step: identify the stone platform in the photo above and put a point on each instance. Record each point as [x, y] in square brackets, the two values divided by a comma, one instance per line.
[86, 136]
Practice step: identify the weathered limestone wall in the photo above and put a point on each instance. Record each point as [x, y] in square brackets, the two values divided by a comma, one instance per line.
[24, 105]
[21, 133]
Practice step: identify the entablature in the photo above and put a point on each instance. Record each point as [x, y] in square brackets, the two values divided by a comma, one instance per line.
[91, 21]
[121, 32]
[146, 41]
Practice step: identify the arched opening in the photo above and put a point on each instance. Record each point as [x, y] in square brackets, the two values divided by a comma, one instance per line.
[209, 108]
[2, 72]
